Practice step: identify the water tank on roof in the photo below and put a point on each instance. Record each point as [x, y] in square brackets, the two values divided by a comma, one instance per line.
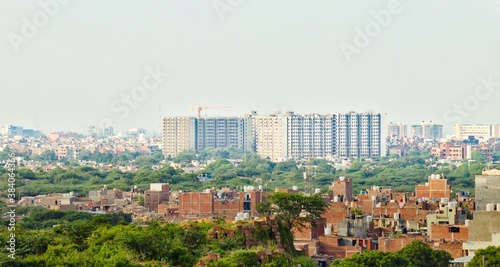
[341, 178]
[335, 199]
[452, 205]
[396, 215]
[295, 188]
[489, 207]
[467, 222]
[317, 191]
[246, 216]
[438, 176]
[374, 198]
[433, 176]
[444, 200]
[328, 231]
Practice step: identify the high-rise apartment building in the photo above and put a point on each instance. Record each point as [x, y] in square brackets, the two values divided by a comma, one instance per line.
[479, 131]
[270, 136]
[427, 130]
[396, 130]
[187, 133]
[310, 136]
[291, 136]
[278, 136]
[359, 135]
[179, 134]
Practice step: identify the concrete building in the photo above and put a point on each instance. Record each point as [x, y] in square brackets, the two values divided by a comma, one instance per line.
[178, 135]
[104, 198]
[427, 130]
[68, 152]
[479, 131]
[310, 136]
[472, 246]
[158, 193]
[270, 136]
[396, 130]
[359, 135]
[292, 136]
[484, 229]
[220, 132]
[451, 150]
[446, 214]
[437, 187]
[188, 133]
[487, 188]
[13, 130]
[278, 136]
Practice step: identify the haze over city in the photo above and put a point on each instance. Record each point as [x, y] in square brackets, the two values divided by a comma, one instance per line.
[74, 68]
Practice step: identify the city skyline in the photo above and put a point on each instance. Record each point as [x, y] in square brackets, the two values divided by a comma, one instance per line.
[335, 57]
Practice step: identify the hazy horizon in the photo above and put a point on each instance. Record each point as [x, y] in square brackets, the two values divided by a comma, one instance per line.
[75, 63]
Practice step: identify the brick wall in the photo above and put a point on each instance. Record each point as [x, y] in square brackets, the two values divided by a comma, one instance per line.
[448, 232]
[196, 204]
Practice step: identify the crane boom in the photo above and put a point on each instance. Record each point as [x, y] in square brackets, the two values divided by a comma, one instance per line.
[200, 108]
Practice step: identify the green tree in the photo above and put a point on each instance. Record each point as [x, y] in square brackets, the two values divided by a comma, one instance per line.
[478, 156]
[293, 211]
[496, 155]
[420, 254]
[369, 258]
[491, 257]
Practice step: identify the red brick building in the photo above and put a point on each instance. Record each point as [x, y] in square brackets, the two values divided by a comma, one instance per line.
[342, 188]
[450, 150]
[436, 187]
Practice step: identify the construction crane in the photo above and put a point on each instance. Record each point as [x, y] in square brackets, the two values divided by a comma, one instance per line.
[200, 108]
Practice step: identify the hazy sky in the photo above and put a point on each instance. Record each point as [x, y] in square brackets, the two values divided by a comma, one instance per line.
[75, 64]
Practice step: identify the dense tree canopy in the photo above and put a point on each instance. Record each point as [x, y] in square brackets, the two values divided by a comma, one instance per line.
[416, 254]
[490, 256]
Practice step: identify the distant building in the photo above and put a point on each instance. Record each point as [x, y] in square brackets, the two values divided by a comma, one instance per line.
[68, 152]
[278, 137]
[292, 136]
[104, 198]
[270, 136]
[479, 131]
[396, 130]
[158, 193]
[427, 130]
[359, 135]
[451, 150]
[135, 132]
[178, 135]
[12, 130]
[188, 133]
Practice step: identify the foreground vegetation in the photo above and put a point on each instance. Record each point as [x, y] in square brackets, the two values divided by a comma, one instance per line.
[416, 254]
[68, 238]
